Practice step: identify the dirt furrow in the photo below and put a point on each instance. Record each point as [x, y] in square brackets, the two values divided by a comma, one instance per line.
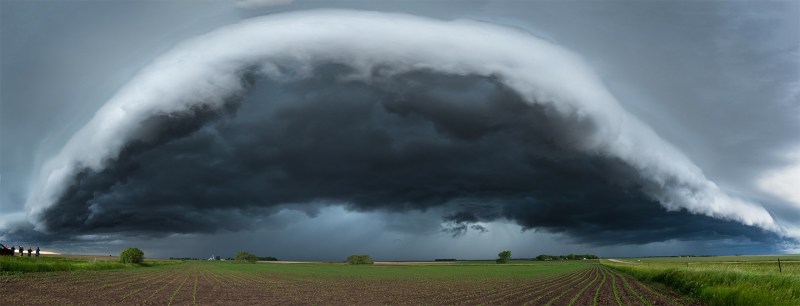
[543, 291]
[160, 293]
[532, 288]
[181, 295]
[656, 297]
[563, 297]
[479, 295]
[144, 287]
[585, 296]
[596, 293]
[620, 293]
[606, 295]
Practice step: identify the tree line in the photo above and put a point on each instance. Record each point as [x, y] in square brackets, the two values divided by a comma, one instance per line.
[544, 257]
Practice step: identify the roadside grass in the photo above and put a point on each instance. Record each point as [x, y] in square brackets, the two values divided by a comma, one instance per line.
[728, 280]
[14, 265]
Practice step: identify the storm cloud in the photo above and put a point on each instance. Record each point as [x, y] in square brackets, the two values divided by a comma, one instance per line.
[378, 112]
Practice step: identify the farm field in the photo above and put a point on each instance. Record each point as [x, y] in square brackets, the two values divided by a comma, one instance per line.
[202, 283]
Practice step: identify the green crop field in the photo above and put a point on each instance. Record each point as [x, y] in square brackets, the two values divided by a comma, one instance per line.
[722, 280]
[215, 282]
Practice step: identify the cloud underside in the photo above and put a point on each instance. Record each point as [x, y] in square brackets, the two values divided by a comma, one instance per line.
[466, 144]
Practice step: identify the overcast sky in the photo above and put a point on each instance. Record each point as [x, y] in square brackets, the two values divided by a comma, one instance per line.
[449, 130]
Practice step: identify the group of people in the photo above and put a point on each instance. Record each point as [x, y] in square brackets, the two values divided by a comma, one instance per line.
[21, 250]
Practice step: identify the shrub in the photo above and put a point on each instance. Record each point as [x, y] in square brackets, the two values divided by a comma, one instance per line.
[359, 260]
[131, 255]
[504, 256]
[244, 256]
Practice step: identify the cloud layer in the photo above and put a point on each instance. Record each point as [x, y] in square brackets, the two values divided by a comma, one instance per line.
[377, 112]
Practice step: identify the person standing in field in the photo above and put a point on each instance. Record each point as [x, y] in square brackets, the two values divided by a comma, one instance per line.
[21, 251]
[13, 250]
[29, 251]
[37, 251]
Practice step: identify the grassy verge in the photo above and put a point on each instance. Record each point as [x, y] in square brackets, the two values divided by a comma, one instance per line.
[12, 265]
[715, 285]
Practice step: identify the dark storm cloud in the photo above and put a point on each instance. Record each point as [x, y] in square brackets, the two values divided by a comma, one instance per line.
[535, 139]
[414, 141]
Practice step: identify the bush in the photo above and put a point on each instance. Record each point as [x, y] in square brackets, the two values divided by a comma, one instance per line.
[131, 255]
[243, 256]
[504, 256]
[359, 260]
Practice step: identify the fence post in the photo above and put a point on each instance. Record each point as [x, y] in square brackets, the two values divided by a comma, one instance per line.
[779, 266]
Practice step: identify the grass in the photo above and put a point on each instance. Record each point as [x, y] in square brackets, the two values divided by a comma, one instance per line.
[723, 280]
[13, 265]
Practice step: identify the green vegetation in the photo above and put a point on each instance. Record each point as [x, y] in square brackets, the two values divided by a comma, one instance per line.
[359, 259]
[10, 264]
[460, 270]
[131, 255]
[244, 256]
[503, 257]
[544, 257]
[268, 258]
[723, 280]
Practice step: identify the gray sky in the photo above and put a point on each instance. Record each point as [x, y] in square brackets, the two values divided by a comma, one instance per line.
[719, 81]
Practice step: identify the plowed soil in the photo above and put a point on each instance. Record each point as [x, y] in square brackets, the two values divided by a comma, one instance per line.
[200, 284]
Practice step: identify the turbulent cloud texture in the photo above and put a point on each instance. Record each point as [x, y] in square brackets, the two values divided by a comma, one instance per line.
[377, 112]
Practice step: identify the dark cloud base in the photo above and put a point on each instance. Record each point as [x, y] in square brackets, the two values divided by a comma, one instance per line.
[408, 142]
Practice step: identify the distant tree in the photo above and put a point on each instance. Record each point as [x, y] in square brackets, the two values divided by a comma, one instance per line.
[268, 258]
[244, 256]
[359, 260]
[131, 255]
[503, 257]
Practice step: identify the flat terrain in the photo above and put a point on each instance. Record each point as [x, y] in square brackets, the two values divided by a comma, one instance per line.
[200, 282]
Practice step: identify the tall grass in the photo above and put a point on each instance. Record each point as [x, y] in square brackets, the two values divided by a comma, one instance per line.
[721, 286]
[10, 264]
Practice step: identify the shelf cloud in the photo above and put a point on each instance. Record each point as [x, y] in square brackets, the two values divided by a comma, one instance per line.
[378, 112]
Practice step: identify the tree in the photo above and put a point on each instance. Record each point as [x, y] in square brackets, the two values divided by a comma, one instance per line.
[131, 255]
[359, 259]
[244, 256]
[504, 256]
